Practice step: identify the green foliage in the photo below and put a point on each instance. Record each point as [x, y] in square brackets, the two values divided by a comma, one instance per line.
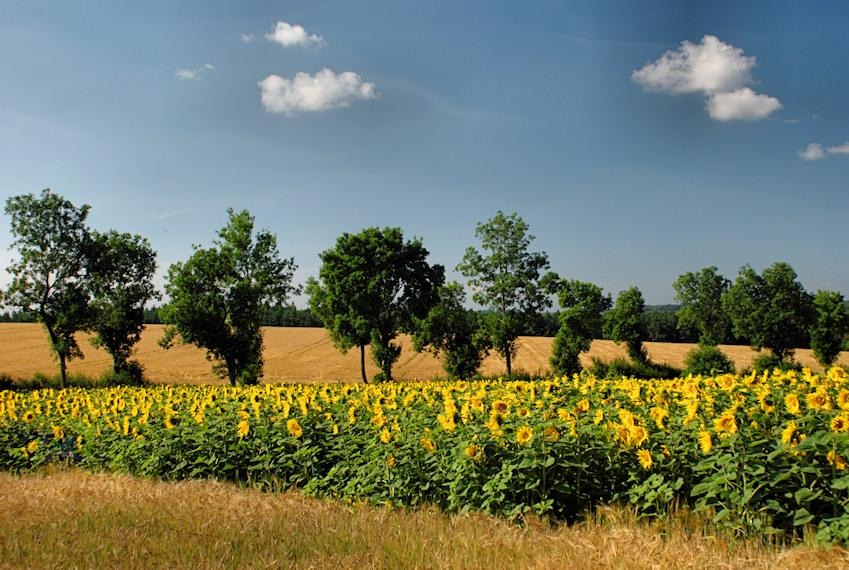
[120, 278]
[582, 306]
[622, 324]
[829, 328]
[622, 368]
[700, 295]
[454, 332]
[371, 286]
[768, 362]
[217, 297]
[773, 310]
[49, 278]
[507, 280]
[707, 360]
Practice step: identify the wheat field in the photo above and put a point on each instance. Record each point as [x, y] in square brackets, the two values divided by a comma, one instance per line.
[308, 355]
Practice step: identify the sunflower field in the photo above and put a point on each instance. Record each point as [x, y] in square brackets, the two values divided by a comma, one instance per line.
[764, 455]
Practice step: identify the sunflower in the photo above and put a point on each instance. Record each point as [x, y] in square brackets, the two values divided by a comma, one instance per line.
[428, 444]
[551, 434]
[28, 416]
[385, 436]
[583, 406]
[645, 459]
[500, 407]
[725, 423]
[840, 423]
[473, 451]
[294, 427]
[168, 423]
[836, 460]
[244, 428]
[32, 446]
[787, 433]
[705, 442]
[524, 434]
[791, 402]
[818, 400]
[843, 399]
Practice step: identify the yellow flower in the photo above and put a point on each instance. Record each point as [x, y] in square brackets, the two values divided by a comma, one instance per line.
[725, 422]
[665, 450]
[645, 458]
[599, 416]
[500, 407]
[551, 434]
[791, 402]
[523, 413]
[243, 414]
[32, 446]
[428, 444]
[583, 406]
[840, 423]
[244, 428]
[843, 399]
[787, 432]
[28, 416]
[818, 400]
[447, 422]
[836, 460]
[705, 442]
[638, 435]
[385, 436]
[58, 433]
[168, 423]
[524, 434]
[473, 451]
[294, 427]
[390, 461]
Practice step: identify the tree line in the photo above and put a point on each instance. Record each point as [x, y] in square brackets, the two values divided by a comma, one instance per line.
[374, 285]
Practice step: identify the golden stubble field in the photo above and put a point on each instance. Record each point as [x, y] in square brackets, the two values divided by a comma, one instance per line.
[308, 355]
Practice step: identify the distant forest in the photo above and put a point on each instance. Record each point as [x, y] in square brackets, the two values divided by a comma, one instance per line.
[659, 322]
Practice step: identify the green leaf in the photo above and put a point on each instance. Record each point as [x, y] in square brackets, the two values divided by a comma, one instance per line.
[802, 516]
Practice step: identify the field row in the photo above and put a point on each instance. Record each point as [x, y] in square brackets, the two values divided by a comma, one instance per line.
[766, 454]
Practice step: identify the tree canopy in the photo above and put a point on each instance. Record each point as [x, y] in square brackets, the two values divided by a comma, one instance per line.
[700, 295]
[507, 280]
[218, 295]
[49, 278]
[582, 305]
[371, 286]
[829, 327]
[773, 310]
[623, 323]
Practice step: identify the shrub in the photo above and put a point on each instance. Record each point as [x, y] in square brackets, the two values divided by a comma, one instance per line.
[768, 361]
[707, 361]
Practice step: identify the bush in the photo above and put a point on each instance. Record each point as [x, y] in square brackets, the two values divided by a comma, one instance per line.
[620, 367]
[768, 361]
[708, 361]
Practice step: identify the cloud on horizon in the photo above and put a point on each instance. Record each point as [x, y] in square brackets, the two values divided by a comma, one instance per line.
[288, 35]
[816, 151]
[312, 93]
[715, 69]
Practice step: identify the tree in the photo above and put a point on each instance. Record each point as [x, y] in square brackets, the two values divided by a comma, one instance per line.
[582, 307]
[217, 297]
[49, 279]
[623, 323]
[508, 281]
[830, 325]
[120, 269]
[454, 332]
[773, 310]
[700, 295]
[371, 286]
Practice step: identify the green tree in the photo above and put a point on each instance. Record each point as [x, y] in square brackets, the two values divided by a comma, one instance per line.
[217, 297]
[622, 324]
[49, 279]
[120, 278]
[830, 325]
[582, 307]
[700, 295]
[773, 310]
[372, 286]
[451, 330]
[508, 280]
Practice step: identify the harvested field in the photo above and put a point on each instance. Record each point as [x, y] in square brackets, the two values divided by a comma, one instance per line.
[307, 354]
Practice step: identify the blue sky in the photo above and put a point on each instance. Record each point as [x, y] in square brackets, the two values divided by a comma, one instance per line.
[639, 140]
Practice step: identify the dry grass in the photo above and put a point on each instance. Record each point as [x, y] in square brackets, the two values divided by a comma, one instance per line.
[306, 354]
[78, 519]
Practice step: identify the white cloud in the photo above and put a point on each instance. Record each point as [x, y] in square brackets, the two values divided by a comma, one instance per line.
[715, 69]
[287, 35]
[816, 151]
[194, 73]
[743, 105]
[320, 92]
[247, 38]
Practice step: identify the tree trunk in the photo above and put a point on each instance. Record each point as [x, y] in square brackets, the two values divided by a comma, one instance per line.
[62, 370]
[509, 368]
[363, 363]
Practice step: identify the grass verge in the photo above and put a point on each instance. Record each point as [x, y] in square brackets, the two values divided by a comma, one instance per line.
[73, 518]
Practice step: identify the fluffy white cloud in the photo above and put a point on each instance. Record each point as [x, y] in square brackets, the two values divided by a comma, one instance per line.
[287, 35]
[743, 105]
[713, 68]
[194, 73]
[320, 92]
[709, 67]
[816, 151]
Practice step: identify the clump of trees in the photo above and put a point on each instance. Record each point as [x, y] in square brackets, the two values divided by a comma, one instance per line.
[73, 279]
[218, 295]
